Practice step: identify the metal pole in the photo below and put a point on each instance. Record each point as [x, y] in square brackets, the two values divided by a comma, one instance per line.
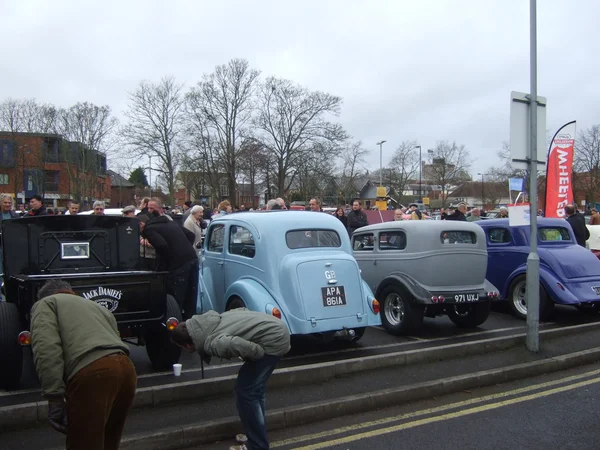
[533, 260]
[380, 143]
[482, 191]
[150, 175]
[420, 176]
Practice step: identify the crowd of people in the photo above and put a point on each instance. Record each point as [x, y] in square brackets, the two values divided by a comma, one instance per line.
[92, 393]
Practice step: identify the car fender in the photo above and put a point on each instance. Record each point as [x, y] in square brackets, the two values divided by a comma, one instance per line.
[256, 296]
[549, 282]
[414, 288]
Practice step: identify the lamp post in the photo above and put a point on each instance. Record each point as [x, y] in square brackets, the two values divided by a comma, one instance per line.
[420, 176]
[482, 197]
[150, 174]
[380, 143]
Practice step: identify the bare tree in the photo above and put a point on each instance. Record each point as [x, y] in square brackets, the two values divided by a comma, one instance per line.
[89, 129]
[587, 162]
[253, 165]
[404, 165]
[155, 119]
[27, 116]
[294, 125]
[222, 103]
[353, 160]
[450, 165]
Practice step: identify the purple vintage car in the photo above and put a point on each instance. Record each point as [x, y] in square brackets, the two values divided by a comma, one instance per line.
[569, 274]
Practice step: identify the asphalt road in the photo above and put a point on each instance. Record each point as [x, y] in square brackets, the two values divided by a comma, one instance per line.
[554, 411]
[309, 350]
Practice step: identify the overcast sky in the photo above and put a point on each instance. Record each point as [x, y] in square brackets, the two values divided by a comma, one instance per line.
[423, 70]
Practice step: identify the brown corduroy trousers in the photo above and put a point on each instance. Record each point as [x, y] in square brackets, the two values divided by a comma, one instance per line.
[99, 398]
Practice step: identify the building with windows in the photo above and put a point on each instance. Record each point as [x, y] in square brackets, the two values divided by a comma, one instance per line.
[55, 168]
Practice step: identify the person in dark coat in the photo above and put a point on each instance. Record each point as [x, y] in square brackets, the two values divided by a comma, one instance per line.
[577, 222]
[459, 214]
[37, 206]
[356, 218]
[175, 252]
[341, 215]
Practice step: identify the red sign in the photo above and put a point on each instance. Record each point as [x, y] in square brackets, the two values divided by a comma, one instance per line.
[559, 180]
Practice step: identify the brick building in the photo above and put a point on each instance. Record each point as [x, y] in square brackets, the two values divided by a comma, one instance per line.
[53, 167]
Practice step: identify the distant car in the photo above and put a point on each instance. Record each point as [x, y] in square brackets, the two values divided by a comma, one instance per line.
[425, 268]
[297, 266]
[569, 274]
[593, 243]
[107, 212]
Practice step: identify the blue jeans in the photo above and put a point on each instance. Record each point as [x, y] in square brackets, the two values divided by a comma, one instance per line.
[250, 399]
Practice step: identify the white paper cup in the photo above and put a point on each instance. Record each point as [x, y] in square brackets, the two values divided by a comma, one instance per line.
[177, 369]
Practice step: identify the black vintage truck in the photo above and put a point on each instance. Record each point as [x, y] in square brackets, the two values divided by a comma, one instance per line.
[100, 257]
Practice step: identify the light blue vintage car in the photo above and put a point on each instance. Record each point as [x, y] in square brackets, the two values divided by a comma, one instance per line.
[296, 265]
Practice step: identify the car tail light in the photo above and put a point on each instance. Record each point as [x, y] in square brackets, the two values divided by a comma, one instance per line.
[276, 313]
[434, 299]
[441, 299]
[171, 323]
[376, 306]
[24, 338]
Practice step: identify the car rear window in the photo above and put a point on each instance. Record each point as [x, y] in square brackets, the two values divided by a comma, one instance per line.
[312, 238]
[554, 234]
[458, 237]
[392, 240]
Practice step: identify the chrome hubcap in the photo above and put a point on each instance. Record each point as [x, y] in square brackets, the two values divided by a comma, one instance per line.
[519, 297]
[394, 309]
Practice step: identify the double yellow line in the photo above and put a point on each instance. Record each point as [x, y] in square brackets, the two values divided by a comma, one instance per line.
[546, 389]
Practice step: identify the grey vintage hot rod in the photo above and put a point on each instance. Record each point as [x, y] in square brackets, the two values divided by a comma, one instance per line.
[425, 268]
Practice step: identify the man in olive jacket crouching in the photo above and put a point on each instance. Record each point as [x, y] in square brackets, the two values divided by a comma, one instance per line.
[86, 375]
[257, 338]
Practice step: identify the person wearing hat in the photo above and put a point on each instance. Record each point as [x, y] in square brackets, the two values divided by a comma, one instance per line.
[128, 211]
[415, 213]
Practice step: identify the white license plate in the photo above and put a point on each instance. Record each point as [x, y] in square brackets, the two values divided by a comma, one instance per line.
[333, 296]
[464, 298]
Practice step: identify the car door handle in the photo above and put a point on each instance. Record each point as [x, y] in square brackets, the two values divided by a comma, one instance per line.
[220, 263]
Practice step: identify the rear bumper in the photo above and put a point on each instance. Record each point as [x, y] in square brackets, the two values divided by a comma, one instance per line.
[298, 326]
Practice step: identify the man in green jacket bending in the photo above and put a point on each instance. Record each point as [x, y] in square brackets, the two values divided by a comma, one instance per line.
[257, 338]
[83, 366]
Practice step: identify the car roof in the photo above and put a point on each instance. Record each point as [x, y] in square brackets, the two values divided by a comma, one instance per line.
[107, 212]
[447, 225]
[282, 219]
[542, 221]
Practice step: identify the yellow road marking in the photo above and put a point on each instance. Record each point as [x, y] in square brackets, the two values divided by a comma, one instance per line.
[454, 415]
[485, 398]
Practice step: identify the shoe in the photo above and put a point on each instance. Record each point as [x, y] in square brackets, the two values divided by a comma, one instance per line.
[241, 438]
[238, 447]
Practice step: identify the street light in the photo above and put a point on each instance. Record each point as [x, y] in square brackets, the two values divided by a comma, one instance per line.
[380, 143]
[420, 176]
[150, 174]
[482, 197]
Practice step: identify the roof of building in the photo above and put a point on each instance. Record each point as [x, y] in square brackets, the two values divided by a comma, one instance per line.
[117, 180]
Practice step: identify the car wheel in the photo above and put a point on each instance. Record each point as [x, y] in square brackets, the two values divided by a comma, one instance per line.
[398, 314]
[470, 316]
[235, 303]
[517, 299]
[161, 351]
[11, 352]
